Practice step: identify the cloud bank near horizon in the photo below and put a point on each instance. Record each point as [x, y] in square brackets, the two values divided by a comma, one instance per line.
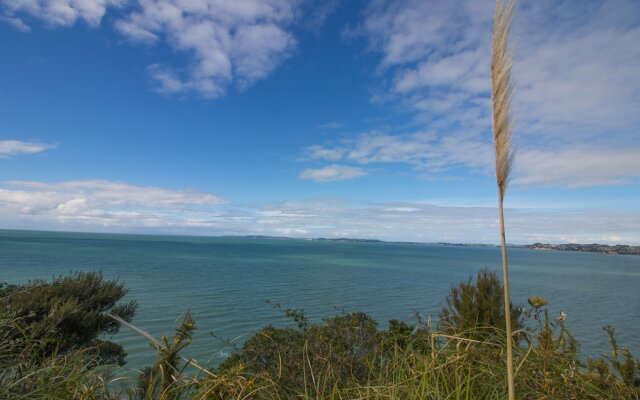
[105, 206]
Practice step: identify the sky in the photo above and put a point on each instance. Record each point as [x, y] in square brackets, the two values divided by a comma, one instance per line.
[361, 119]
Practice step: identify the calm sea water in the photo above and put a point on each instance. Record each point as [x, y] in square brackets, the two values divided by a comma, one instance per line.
[225, 282]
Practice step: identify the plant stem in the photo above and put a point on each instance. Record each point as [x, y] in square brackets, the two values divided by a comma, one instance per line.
[507, 304]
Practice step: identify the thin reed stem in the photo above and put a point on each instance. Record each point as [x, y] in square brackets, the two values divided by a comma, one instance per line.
[507, 306]
[501, 91]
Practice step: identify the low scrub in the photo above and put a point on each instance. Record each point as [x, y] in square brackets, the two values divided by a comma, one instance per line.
[347, 356]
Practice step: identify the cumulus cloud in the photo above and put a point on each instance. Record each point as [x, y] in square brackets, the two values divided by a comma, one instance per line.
[228, 42]
[333, 172]
[577, 91]
[10, 148]
[325, 153]
[65, 207]
[57, 12]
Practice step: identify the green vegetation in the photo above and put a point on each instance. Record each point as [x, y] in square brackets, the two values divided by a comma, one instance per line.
[475, 309]
[67, 314]
[50, 348]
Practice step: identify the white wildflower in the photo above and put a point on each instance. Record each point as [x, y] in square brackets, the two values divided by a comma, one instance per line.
[562, 316]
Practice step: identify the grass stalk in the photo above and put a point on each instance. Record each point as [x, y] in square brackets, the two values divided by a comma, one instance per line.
[501, 91]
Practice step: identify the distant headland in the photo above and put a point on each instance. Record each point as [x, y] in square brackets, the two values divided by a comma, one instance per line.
[590, 248]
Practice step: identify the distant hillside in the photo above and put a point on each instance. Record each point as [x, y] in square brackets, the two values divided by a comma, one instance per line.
[591, 248]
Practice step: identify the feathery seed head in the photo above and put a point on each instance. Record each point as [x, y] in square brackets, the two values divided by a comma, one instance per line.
[501, 91]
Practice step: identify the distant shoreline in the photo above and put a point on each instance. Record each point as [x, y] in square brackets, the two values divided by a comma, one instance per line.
[588, 248]
[622, 249]
[585, 248]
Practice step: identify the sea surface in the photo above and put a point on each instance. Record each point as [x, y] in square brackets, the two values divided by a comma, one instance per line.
[226, 281]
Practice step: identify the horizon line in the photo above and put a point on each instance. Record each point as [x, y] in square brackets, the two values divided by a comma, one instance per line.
[319, 238]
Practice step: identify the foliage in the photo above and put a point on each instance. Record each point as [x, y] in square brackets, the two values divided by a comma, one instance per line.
[167, 379]
[475, 309]
[68, 377]
[332, 353]
[64, 315]
[410, 362]
[621, 363]
[162, 377]
[343, 357]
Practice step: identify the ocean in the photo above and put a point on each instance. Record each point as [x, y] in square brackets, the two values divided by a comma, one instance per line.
[226, 281]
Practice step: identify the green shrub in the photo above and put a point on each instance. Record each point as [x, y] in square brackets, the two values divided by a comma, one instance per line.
[621, 364]
[64, 315]
[333, 353]
[343, 357]
[475, 309]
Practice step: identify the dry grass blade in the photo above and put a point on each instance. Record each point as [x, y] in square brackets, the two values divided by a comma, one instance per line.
[155, 342]
[135, 329]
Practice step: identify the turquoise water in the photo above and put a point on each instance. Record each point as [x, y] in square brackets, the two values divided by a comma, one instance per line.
[225, 282]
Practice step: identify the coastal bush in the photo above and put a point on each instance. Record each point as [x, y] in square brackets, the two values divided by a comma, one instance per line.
[475, 309]
[71, 376]
[621, 363]
[163, 377]
[317, 358]
[342, 357]
[64, 315]
[412, 368]
[167, 379]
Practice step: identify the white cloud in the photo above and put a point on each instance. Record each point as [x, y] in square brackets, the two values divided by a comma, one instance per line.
[101, 193]
[578, 79]
[99, 203]
[235, 42]
[58, 12]
[577, 167]
[568, 167]
[577, 93]
[423, 150]
[325, 153]
[333, 172]
[16, 23]
[10, 148]
[229, 42]
[439, 47]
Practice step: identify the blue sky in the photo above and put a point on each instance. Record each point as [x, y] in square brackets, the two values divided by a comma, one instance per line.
[301, 118]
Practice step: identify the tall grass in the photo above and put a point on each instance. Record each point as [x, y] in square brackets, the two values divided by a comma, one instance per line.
[501, 90]
[407, 365]
[344, 357]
